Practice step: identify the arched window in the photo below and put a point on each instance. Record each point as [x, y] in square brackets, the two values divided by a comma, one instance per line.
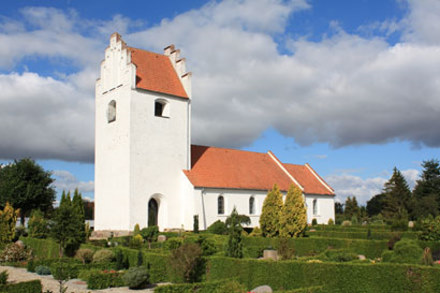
[161, 108]
[111, 111]
[315, 206]
[220, 205]
[251, 205]
[153, 211]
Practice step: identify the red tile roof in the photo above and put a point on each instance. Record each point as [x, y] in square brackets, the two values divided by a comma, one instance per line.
[214, 167]
[305, 176]
[154, 72]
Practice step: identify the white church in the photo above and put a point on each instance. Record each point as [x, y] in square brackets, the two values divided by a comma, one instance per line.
[148, 173]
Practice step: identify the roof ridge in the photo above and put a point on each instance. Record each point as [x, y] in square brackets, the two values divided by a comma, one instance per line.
[319, 178]
[280, 164]
[224, 148]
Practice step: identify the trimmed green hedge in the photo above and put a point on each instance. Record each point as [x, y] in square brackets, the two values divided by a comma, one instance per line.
[158, 263]
[335, 277]
[377, 235]
[308, 246]
[42, 248]
[33, 286]
[204, 287]
[353, 228]
[104, 279]
[314, 289]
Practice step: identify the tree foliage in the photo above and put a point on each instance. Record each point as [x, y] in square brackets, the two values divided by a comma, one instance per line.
[270, 214]
[375, 204]
[426, 194]
[8, 220]
[68, 228]
[397, 197]
[27, 186]
[38, 225]
[235, 244]
[293, 219]
[351, 208]
[150, 234]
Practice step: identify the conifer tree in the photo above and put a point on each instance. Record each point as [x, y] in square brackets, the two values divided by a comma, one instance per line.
[79, 215]
[66, 228]
[235, 245]
[397, 197]
[270, 214]
[293, 220]
[8, 220]
[351, 208]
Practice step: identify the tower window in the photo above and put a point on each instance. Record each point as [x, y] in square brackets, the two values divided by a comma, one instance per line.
[111, 111]
[161, 108]
[220, 205]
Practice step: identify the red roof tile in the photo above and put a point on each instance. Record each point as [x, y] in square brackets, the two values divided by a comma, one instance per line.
[214, 167]
[227, 168]
[308, 180]
[155, 73]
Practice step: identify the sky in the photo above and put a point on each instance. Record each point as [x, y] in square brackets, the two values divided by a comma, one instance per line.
[351, 87]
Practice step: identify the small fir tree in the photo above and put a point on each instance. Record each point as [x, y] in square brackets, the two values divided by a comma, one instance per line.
[235, 244]
[196, 224]
[270, 214]
[293, 220]
[66, 228]
[397, 197]
[8, 220]
[137, 230]
[79, 215]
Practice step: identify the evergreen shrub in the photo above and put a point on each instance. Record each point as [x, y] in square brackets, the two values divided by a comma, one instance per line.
[405, 251]
[42, 270]
[3, 277]
[137, 277]
[218, 227]
[85, 255]
[103, 255]
[173, 243]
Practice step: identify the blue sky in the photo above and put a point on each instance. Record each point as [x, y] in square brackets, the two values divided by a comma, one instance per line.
[351, 87]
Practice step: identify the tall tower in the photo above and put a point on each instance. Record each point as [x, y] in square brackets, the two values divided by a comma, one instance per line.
[142, 138]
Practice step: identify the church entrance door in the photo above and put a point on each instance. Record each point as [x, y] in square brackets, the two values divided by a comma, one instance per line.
[153, 212]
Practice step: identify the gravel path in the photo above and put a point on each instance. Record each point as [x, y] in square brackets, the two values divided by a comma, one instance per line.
[49, 283]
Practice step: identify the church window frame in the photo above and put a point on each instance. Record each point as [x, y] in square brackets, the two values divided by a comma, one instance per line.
[252, 205]
[220, 205]
[315, 207]
[111, 111]
[161, 108]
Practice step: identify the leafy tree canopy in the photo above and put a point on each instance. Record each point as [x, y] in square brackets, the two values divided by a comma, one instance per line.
[27, 186]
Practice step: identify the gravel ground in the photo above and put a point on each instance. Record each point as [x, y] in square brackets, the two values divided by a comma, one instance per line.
[49, 283]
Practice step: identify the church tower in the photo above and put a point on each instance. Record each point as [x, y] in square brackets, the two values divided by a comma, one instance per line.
[142, 138]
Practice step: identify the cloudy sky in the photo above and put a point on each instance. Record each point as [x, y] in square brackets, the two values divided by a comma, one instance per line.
[352, 87]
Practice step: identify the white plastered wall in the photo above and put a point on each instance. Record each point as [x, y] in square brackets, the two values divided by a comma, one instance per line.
[112, 140]
[325, 208]
[159, 148]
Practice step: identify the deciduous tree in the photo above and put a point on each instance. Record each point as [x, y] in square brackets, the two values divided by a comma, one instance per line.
[27, 186]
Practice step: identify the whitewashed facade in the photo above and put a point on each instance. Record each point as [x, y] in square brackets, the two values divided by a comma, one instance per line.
[140, 156]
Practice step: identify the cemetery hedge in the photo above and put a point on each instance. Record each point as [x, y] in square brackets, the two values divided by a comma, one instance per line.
[334, 277]
[33, 286]
[376, 235]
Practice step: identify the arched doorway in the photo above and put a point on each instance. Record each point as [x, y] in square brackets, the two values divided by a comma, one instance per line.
[153, 212]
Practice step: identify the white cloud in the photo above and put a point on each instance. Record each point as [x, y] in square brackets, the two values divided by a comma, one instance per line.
[64, 180]
[346, 184]
[344, 89]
